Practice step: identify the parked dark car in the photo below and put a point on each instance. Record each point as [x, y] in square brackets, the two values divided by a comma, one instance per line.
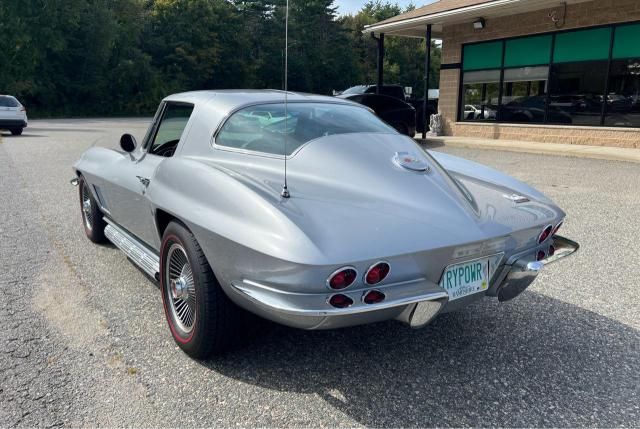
[397, 113]
[532, 110]
[395, 91]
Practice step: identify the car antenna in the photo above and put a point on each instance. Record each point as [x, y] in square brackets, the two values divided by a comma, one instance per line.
[285, 190]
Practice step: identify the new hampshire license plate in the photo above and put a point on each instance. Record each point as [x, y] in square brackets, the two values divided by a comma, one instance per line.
[465, 279]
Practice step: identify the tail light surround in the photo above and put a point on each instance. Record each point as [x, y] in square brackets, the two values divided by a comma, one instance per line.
[377, 273]
[342, 278]
[546, 233]
[555, 230]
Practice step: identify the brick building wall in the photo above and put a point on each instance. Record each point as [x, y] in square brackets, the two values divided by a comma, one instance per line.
[578, 15]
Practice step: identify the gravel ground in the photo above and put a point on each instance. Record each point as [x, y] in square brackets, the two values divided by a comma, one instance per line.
[84, 341]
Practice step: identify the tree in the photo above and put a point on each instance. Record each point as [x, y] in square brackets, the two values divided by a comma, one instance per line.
[118, 57]
[194, 44]
[404, 57]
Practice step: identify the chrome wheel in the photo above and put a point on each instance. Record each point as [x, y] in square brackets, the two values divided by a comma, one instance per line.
[181, 290]
[86, 207]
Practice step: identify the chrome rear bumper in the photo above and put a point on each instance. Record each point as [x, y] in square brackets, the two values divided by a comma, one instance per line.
[522, 269]
[414, 302]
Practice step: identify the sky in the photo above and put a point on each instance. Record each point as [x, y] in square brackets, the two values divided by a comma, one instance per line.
[351, 6]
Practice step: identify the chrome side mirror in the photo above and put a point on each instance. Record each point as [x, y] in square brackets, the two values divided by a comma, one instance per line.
[128, 143]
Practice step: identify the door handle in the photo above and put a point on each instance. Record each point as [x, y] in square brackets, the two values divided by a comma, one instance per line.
[145, 182]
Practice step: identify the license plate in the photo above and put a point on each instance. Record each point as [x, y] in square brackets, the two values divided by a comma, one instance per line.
[470, 277]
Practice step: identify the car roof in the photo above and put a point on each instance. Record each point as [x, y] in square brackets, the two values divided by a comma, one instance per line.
[232, 99]
[349, 96]
[213, 107]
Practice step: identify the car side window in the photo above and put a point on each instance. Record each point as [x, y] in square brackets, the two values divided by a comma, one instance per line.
[172, 124]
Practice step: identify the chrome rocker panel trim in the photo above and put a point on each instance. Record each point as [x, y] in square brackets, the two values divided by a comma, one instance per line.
[135, 250]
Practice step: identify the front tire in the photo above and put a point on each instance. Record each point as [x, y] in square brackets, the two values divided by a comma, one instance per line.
[200, 316]
[92, 219]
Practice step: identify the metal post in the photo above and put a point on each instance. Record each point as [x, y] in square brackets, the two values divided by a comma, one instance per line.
[427, 66]
[380, 62]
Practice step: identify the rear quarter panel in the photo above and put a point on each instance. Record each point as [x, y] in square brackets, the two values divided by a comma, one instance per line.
[97, 166]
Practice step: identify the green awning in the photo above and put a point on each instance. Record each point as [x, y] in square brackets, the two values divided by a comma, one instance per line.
[627, 42]
[480, 56]
[528, 51]
[584, 45]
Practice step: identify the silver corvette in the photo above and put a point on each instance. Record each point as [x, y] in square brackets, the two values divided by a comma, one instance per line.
[368, 226]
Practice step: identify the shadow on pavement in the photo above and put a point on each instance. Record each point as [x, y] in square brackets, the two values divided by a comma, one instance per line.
[429, 144]
[533, 362]
[10, 136]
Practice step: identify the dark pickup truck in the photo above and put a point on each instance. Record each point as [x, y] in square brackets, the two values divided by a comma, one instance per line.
[397, 91]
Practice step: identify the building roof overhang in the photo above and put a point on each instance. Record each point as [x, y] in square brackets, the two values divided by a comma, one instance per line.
[447, 12]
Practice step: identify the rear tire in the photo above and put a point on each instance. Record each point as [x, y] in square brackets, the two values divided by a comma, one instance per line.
[16, 131]
[202, 319]
[92, 219]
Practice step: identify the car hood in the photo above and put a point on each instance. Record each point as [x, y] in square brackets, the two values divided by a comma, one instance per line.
[350, 197]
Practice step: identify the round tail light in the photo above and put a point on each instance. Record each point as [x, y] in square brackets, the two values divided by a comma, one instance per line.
[546, 233]
[373, 297]
[552, 250]
[377, 273]
[343, 278]
[340, 301]
[540, 255]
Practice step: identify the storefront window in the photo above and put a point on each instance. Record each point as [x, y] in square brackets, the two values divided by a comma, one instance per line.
[623, 101]
[588, 77]
[524, 95]
[480, 95]
[577, 92]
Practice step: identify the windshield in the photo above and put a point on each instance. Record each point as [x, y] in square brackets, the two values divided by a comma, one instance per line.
[263, 128]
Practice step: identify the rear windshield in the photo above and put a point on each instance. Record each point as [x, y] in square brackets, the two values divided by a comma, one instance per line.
[263, 128]
[7, 101]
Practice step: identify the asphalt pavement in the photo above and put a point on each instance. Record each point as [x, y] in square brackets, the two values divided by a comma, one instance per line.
[83, 340]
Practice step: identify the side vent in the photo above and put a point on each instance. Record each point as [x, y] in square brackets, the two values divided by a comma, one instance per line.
[101, 199]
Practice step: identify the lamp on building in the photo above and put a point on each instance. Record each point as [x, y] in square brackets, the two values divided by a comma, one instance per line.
[479, 24]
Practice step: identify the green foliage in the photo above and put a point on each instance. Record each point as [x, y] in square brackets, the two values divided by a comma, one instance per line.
[404, 57]
[120, 57]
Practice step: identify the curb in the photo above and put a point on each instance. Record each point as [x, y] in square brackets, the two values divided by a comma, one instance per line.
[556, 149]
